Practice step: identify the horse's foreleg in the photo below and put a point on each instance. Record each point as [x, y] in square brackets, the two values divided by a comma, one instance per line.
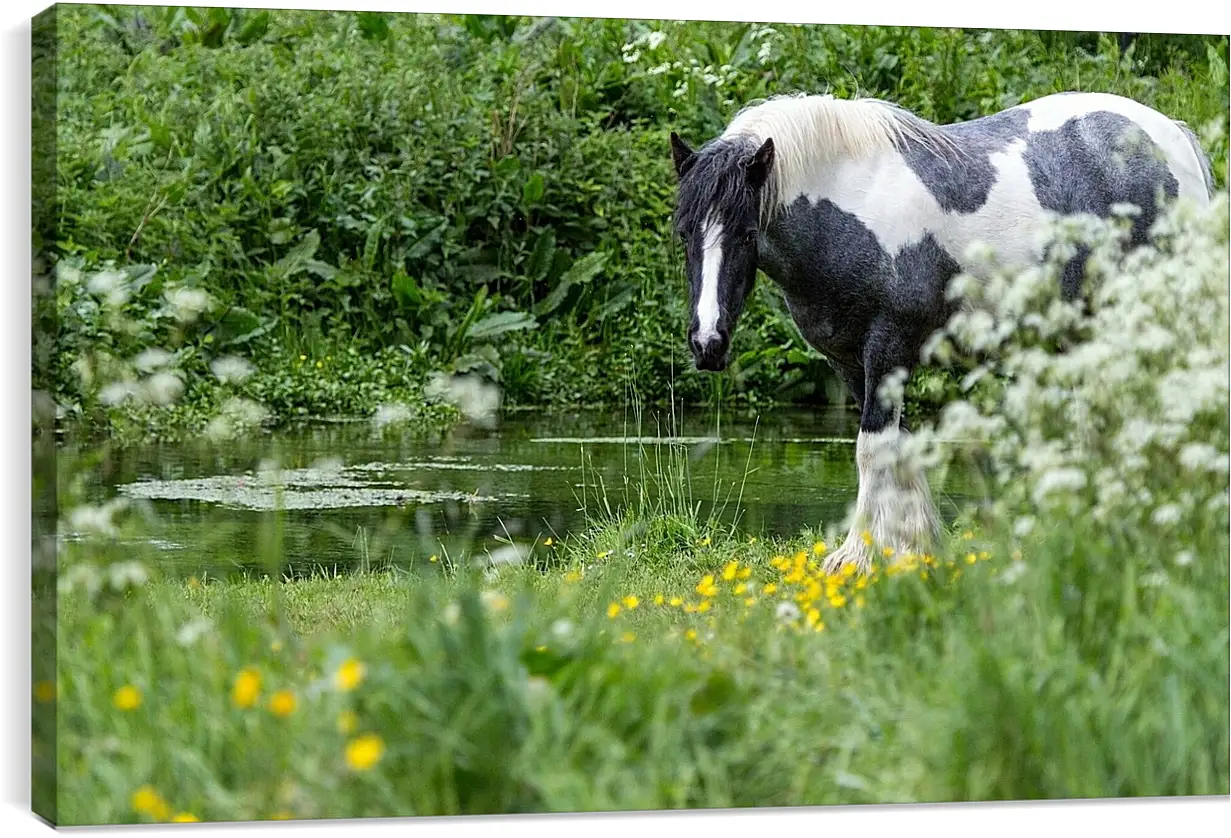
[894, 507]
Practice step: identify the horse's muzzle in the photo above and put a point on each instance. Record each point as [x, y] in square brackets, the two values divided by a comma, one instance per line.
[711, 356]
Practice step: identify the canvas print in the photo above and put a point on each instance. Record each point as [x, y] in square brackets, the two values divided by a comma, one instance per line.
[446, 414]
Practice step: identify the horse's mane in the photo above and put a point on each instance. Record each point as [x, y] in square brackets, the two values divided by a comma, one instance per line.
[812, 130]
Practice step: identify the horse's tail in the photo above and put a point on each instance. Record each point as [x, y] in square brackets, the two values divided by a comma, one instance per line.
[1206, 171]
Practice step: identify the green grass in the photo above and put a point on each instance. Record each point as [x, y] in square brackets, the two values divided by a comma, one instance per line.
[1072, 672]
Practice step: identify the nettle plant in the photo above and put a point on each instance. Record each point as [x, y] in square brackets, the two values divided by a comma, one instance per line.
[1113, 410]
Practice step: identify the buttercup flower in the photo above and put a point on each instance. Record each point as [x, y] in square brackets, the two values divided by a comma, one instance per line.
[127, 698]
[364, 752]
[247, 687]
[282, 703]
[349, 675]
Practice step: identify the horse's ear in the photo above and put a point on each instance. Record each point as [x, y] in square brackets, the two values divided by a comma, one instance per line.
[681, 154]
[760, 164]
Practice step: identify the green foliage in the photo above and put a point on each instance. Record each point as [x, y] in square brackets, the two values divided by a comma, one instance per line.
[340, 180]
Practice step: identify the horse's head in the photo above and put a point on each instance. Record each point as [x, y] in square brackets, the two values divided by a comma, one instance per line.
[717, 219]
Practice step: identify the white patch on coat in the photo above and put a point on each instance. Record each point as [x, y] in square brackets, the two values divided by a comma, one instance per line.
[711, 267]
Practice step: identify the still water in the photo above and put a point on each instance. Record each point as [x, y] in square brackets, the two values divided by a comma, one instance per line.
[336, 496]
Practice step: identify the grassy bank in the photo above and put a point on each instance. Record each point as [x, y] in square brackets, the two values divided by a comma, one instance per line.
[457, 195]
[654, 666]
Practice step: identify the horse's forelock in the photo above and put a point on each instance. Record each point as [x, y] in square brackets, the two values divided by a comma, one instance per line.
[714, 183]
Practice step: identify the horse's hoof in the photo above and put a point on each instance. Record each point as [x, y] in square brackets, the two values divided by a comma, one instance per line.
[852, 552]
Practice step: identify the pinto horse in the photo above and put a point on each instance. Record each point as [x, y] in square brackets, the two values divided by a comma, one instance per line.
[861, 212]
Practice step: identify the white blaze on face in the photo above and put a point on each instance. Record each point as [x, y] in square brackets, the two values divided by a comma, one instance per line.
[711, 265]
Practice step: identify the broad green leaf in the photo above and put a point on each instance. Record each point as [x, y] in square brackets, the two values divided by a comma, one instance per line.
[254, 29]
[405, 289]
[539, 262]
[500, 323]
[295, 261]
[532, 192]
[581, 272]
[424, 245]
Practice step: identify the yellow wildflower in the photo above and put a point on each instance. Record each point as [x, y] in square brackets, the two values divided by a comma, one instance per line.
[984, 555]
[364, 752]
[704, 606]
[631, 601]
[750, 601]
[740, 588]
[185, 817]
[729, 571]
[860, 602]
[706, 586]
[627, 637]
[658, 599]
[968, 535]
[433, 558]
[127, 698]
[573, 576]
[744, 572]
[867, 538]
[247, 687]
[705, 542]
[676, 602]
[819, 548]
[282, 703]
[44, 692]
[970, 558]
[547, 542]
[275, 646]
[281, 815]
[603, 554]
[349, 675]
[303, 357]
[888, 552]
[319, 364]
[837, 600]
[347, 722]
[691, 634]
[770, 589]
[689, 608]
[148, 801]
[613, 610]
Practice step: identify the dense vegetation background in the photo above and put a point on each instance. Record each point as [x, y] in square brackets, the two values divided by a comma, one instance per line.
[367, 199]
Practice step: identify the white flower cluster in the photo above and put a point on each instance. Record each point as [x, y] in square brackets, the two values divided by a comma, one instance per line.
[650, 41]
[1116, 409]
[236, 416]
[719, 77]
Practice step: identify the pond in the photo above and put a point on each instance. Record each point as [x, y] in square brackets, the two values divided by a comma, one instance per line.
[332, 497]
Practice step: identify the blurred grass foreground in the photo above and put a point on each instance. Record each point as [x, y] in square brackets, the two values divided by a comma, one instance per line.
[258, 213]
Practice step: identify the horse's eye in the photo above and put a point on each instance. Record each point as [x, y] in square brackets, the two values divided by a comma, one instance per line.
[750, 238]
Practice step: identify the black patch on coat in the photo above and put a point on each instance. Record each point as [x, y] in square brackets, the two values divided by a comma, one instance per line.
[866, 311]
[961, 180]
[1094, 161]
